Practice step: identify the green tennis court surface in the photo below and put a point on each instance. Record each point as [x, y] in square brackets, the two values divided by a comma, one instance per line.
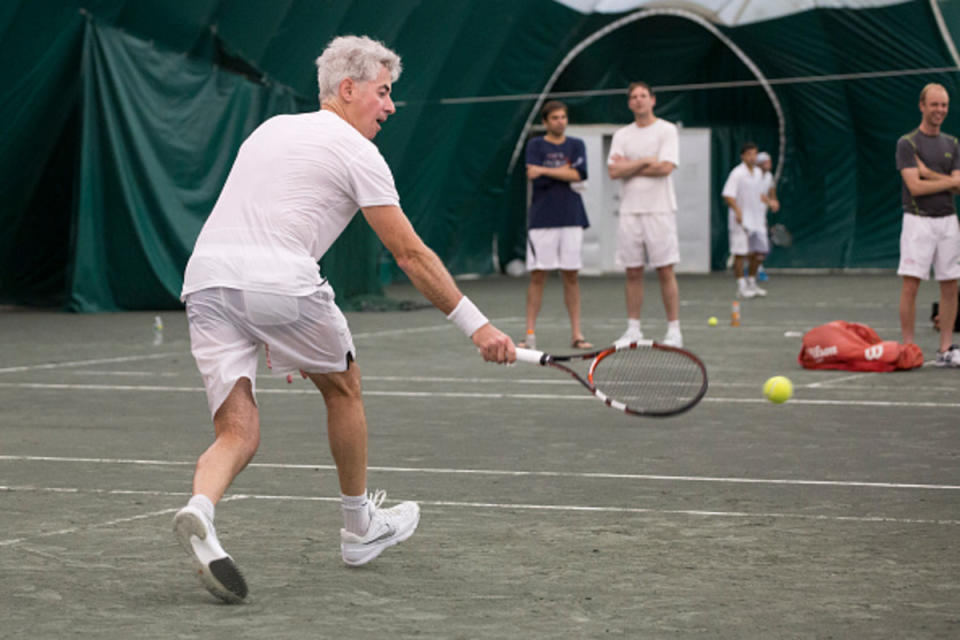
[545, 515]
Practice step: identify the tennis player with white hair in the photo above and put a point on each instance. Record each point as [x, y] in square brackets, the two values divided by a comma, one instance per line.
[253, 280]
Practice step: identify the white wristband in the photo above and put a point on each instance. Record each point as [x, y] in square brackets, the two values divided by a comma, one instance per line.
[467, 317]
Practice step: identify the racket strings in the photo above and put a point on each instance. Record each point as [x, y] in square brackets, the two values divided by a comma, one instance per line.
[649, 379]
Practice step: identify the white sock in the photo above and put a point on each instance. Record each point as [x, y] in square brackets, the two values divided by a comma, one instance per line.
[356, 515]
[673, 326]
[742, 283]
[752, 281]
[204, 504]
[633, 324]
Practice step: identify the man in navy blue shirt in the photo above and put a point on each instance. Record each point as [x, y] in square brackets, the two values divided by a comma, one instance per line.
[556, 218]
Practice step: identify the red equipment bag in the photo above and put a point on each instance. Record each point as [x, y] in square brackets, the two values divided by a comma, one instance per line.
[855, 347]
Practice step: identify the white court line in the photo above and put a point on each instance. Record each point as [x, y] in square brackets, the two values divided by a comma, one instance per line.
[505, 472]
[552, 381]
[495, 505]
[396, 332]
[434, 327]
[97, 525]
[824, 383]
[845, 403]
[79, 363]
[464, 394]
[502, 380]
[131, 374]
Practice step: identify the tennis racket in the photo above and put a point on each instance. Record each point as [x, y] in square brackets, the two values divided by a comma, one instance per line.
[780, 236]
[640, 378]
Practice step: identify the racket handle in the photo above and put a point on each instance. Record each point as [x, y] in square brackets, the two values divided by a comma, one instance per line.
[531, 356]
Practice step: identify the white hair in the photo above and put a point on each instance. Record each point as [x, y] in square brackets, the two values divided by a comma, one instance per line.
[356, 57]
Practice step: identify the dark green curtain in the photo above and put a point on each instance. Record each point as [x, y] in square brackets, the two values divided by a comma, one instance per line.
[121, 119]
[159, 134]
[38, 108]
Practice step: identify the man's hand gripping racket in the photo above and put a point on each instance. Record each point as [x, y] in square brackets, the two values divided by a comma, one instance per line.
[640, 378]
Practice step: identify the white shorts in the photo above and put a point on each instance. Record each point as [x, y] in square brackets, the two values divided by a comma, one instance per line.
[926, 242]
[647, 239]
[227, 327]
[738, 239]
[550, 248]
[743, 242]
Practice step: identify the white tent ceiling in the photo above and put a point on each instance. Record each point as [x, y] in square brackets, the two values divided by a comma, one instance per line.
[726, 12]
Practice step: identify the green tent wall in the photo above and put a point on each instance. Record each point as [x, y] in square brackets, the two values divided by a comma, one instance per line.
[122, 118]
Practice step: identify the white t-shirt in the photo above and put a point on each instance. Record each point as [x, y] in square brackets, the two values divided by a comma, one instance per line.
[296, 183]
[746, 186]
[643, 194]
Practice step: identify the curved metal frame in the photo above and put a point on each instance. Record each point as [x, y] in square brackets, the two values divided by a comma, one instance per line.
[944, 32]
[650, 13]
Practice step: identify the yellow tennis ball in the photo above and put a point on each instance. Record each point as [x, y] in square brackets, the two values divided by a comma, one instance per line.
[712, 321]
[778, 389]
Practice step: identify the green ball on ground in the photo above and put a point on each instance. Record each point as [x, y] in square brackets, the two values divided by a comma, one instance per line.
[778, 389]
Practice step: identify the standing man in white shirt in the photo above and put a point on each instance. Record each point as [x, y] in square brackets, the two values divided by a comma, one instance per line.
[746, 193]
[253, 280]
[643, 154]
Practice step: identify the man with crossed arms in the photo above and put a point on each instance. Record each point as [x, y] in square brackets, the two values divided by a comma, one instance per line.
[929, 164]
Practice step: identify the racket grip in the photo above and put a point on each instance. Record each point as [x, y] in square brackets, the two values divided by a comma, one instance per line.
[531, 356]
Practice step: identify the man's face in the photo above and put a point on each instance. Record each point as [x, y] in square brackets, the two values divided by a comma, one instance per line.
[766, 165]
[749, 157]
[556, 122]
[640, 102]
[371, 104]
[934, 106]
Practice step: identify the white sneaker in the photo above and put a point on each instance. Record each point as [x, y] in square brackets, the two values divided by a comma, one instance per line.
[949, 358]
[216, 569]
[630, 335]
[387, 528]
[757, 291]
[673, 339]
[746, 292]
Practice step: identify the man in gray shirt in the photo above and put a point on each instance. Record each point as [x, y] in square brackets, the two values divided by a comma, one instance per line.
[929, 163]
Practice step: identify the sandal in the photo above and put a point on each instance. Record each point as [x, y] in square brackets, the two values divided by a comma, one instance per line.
[581, 343]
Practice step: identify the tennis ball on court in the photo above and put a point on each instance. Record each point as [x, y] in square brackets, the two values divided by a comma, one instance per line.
[778, 389]
[712, 321]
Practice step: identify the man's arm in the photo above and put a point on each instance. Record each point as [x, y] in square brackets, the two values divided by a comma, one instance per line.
[732, 203]
[619, 167]
[430, 277]
[771, 199]
[918, 186]
[657, 169]
[926, 173]
[565, 173]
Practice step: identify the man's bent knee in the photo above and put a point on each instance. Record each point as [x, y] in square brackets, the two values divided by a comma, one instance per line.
[345, 384]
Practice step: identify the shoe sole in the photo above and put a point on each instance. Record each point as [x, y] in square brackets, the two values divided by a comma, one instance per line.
[221, 577]
[374, 550]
